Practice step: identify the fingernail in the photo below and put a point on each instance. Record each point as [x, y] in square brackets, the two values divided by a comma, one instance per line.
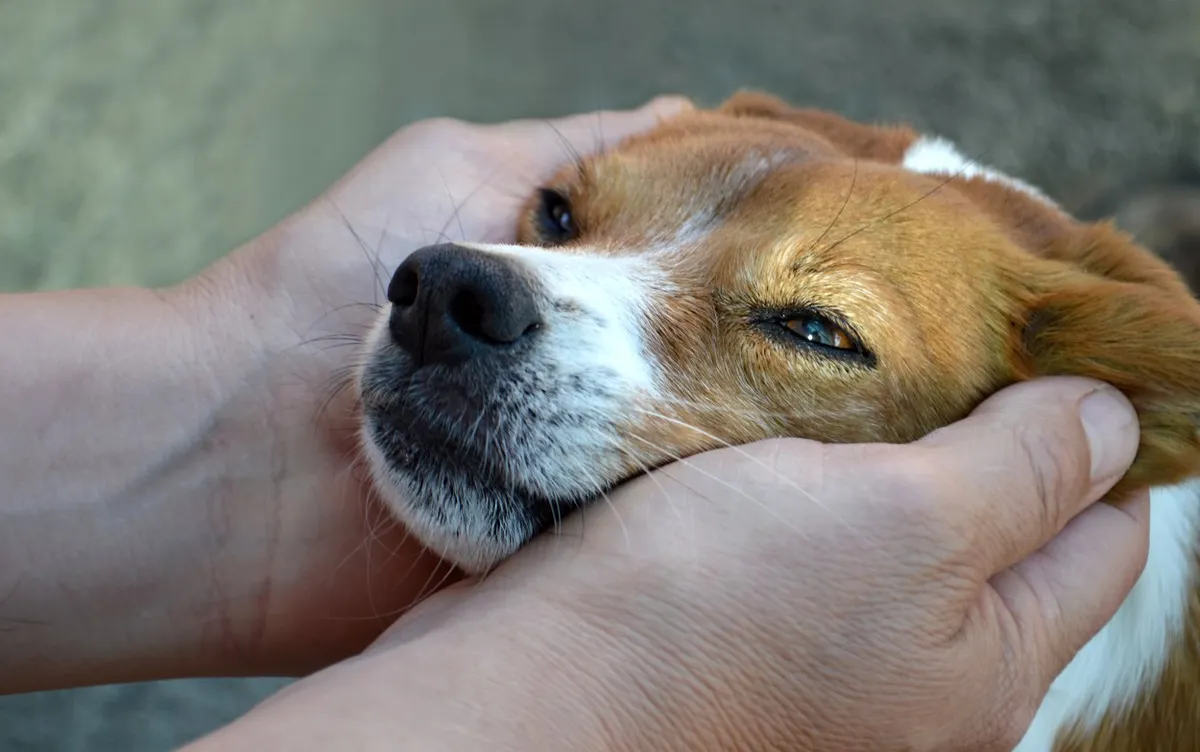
[1112, 432]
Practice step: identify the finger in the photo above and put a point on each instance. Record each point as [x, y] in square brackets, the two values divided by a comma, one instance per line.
[1063, 594]
[584, 135]
[1030, 459]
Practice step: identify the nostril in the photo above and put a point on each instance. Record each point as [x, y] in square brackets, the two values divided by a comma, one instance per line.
[486, 318]
[450, 304]
[467, 311]
[402, 290]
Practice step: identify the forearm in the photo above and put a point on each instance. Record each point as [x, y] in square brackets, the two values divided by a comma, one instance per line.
[505, 683]
[515, 663]
[111, 465]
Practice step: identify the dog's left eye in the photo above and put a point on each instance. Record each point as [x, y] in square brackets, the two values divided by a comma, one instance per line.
[555, 221]
[820, 331]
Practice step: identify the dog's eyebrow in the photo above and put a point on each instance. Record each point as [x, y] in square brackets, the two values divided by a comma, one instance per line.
[875, 283]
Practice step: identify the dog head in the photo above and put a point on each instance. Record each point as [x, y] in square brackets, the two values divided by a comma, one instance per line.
[742, 273]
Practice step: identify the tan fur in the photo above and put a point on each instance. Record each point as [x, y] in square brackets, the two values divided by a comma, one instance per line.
[957, 286]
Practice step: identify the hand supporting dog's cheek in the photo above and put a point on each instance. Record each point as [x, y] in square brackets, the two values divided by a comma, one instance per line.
[796, 595]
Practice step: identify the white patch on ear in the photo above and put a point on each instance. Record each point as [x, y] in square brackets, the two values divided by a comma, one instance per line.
[1127, 656]
[934, 155]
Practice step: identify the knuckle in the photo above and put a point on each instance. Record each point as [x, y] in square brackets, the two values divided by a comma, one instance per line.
[919, 487]
[437, 129]
[938, 501]
[1055, 473]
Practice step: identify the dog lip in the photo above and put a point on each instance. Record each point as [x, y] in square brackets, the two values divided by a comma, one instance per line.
[417, 448]
[402, 421]
[379, 401]
[413, 444]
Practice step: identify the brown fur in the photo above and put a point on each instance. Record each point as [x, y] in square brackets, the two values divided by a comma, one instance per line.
[956, 286]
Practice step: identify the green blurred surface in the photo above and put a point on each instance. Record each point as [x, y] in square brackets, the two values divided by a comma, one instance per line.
[140, 139]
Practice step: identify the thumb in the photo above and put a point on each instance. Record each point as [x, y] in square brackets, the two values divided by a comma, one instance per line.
[1033, 460]
[1029, 459]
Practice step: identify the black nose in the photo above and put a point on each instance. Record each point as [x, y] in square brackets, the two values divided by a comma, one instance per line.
[451, 304]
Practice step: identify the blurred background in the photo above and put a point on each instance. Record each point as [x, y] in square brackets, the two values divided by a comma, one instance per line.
[141, 140]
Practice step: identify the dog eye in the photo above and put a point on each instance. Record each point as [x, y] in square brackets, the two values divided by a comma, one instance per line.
[820, 331]
[555, 221]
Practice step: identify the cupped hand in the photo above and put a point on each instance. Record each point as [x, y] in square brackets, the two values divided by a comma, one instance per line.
[310, 569]
[792, 595]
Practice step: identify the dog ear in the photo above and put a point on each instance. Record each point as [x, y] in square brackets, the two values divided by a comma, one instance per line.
[878, 143]
[1137, 329]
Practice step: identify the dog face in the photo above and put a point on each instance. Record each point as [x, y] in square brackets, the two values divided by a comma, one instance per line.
[750, 272]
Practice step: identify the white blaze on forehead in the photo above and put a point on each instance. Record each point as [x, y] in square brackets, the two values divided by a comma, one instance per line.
[934, 155]
[757, 163]
[597, 309]
[697, 215]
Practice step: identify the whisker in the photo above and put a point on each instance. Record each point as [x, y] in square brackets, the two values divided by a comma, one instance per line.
[647, 472]
[556, 516]
[456, 216]
[808, 495]
[845, 203]
[688, 463]
[341, 381]
[577, 160]
[724, 409]
[894, 212]
[372, 258]
[616, 513]
[429, 590]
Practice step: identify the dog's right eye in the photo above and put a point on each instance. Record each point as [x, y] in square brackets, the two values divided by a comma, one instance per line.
[555, 221]
[820, 331]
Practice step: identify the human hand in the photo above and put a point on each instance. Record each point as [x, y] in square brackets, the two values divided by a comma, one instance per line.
[849, 597]
[309, 570]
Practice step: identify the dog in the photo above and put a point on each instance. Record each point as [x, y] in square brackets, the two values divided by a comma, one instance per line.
[757, 270]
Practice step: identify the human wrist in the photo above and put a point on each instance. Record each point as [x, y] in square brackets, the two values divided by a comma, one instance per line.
[515, 666]
[308, 570]
[618, 647]
[100, 529]
[674, 680]
[513, 675]
[264, 457]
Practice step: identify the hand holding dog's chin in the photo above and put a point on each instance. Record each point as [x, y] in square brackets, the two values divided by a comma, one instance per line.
[856, 597]
[844, 598]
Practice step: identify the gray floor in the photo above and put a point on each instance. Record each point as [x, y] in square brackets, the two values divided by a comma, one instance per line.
[139, 140]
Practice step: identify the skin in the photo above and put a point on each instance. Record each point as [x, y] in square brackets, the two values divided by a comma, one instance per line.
[216, 530]
[944, 584]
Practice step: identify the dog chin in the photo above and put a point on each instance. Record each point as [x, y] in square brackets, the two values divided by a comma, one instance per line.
[469, 552]
[454, 511]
